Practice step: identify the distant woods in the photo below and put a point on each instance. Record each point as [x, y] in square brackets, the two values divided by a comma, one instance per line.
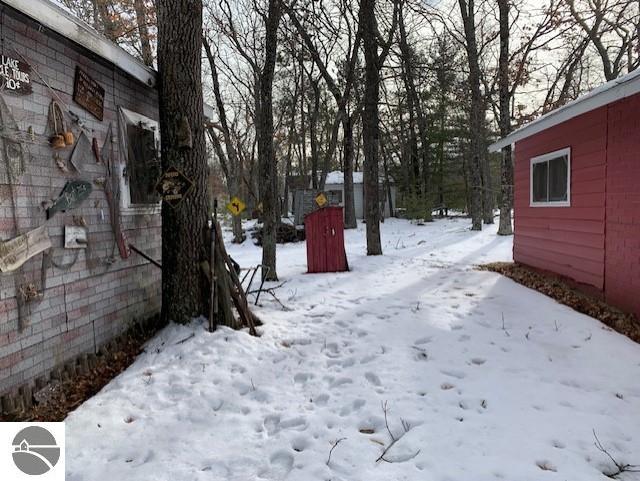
[401, 90]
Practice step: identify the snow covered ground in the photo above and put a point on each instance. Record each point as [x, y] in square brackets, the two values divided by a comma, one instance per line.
[468, 395]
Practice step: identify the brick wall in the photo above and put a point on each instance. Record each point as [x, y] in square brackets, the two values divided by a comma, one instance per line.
[622, 284]
[86, 303]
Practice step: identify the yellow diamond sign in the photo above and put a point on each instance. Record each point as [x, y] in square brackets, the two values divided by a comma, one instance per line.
[321, 199]
[236, 206]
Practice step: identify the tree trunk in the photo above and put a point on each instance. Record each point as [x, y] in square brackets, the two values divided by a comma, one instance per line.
[350, 221]
[266, 152]
[313, 131]
[417, 119]
[143, 32]
[506, 201]
[184, 293]
[476, 115]
[370, 125]
[487, 188]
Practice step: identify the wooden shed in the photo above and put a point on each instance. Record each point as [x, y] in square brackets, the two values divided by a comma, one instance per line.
[577, 191]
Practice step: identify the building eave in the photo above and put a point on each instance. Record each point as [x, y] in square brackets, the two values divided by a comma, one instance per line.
[57, 19]
[607, 93]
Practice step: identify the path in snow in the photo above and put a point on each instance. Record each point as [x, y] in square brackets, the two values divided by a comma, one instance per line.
[470, 397]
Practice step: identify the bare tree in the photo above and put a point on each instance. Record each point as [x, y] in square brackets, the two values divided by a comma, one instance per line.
[183, 146]
[477, 113]
[229, 157]
[612, 29]
[505, 120]
[342, 97]
[266, 153]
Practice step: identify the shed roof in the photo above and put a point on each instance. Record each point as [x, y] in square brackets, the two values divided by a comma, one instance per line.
[337, 177]
[617, 89]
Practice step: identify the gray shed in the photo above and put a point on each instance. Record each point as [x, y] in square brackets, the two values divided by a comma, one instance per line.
[334, 186]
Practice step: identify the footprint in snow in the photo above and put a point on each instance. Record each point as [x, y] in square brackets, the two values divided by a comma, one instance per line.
[321, 400]
[237, 368]
[368, 358]
[280, 464]
[271, 424]
[422, 340]
[452, 373]
[302, 377]
[478, 361]
[546, 465]
[242, 387]
[353, 407]
[347, 362]
[464, 338]
[373, 378]
[299, 444]
[297, 423]
[216, 469]
[340, 382]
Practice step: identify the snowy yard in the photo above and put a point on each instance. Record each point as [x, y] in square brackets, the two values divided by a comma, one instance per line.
[469, 396]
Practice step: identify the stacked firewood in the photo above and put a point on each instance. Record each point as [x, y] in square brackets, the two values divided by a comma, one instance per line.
[227, 293]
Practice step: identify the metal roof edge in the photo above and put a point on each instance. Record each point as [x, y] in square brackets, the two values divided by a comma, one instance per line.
[607, 93]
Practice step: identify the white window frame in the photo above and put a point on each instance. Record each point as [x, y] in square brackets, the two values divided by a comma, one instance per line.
[126, 207]
[544, 158]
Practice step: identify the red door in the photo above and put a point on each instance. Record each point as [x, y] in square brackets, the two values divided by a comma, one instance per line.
[324, 231]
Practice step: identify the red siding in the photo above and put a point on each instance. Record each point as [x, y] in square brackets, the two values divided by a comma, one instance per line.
[566, 240]
[622, 282]
[595, 241]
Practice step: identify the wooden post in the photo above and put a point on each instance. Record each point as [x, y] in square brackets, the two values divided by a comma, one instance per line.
[213, 304]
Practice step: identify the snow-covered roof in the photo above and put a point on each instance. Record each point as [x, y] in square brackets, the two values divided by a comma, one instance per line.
[337, 177]
[617, 89]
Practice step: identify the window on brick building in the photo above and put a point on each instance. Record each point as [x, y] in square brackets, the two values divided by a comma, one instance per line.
[551, 179]
[140, 137]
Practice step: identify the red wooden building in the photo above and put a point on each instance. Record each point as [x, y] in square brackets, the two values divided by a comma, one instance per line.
[577, 191]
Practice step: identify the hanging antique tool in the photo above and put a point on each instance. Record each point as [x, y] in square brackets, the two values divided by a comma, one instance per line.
[96, 149]
[56, 124]
[112, 191]
[80, 152]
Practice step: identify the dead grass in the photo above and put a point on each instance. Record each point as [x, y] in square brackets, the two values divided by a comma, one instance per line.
[564, 293]
[72, 392]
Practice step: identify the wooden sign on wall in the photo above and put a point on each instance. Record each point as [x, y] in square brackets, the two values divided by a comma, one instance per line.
[89, 94]
[17, 251]
[15, 75]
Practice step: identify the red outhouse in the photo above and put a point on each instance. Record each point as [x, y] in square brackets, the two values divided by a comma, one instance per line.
[324, 231]
[577, 191]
